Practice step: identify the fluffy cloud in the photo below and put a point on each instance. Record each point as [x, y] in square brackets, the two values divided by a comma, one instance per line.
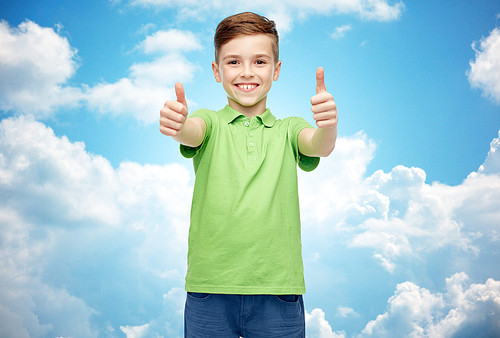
[81, 240]
[492, 163]
[318, 327]
[397, 214]
[285, 11]
[143, 93]
[416, 312]
[46, 177]
[169, 323]
[340, 31]
[135, 331]
[413, 311]
[35, 64]
[485, 70]
[30, 307]
[168, 42]
[408, 227]
[343, 311]
[339, 174]
[90, 250]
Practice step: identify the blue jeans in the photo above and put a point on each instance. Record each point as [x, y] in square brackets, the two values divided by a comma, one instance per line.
[248, 316]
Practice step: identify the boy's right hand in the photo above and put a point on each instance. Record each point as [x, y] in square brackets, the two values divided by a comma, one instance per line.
[174, 113]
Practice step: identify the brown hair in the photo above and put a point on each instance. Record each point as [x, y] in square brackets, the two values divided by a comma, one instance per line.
[246, 23]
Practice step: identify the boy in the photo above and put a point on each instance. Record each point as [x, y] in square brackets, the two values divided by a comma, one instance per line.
[245, 271]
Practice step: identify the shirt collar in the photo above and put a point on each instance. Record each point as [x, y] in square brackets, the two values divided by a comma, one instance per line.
[229, 115]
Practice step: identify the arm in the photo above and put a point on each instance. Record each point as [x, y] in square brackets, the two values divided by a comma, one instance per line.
[317, 142]
[320, 141]
[175, 123]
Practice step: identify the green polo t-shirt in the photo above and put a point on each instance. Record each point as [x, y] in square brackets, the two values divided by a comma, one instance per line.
[244, 236]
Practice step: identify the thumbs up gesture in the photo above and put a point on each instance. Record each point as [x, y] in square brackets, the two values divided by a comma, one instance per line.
[174, 113]
[323, 105]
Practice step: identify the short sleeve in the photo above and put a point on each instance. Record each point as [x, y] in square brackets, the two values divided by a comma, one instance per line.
[190, 152]
[306, 163]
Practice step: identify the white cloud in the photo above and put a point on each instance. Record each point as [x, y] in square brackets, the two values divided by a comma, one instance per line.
[410, 309]
[485, 70]
[170, 41]
[50, 178]
[28, 306]
[339, 174]
[318, 327]
[168, 324]
[82, 242]
[146, 28]
[419, 217]
[150, 84]
[135, 331]
[37, 62]
[35, 65]
[71, 224]
[127, 97]
[416, 312]
[284, 12]
[385, 262]
[340, 31]
[344, 312]
[397, 214]
[492, 163]
[400, 218]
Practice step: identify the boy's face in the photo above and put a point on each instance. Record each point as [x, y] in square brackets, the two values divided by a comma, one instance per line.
[246, 69]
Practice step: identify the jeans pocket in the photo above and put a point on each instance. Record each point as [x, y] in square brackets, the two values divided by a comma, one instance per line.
[199, 295]
[288, 298]
[291, 308]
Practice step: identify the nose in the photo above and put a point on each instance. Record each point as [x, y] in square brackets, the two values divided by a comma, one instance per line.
[247, 71]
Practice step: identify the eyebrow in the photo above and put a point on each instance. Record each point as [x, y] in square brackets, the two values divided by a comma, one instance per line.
[235, 56]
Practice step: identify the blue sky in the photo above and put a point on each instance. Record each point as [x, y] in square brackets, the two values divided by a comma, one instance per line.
[400, 223]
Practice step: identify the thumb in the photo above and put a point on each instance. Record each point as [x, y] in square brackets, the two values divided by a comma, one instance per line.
[179, 92]
[320, 81]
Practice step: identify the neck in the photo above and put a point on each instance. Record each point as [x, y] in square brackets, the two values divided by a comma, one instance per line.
[249, 111]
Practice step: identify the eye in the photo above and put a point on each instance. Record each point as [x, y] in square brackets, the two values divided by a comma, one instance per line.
[260, 62]
[232, 62]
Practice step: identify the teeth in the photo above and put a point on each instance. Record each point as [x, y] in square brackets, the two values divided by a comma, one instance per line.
[244, 86]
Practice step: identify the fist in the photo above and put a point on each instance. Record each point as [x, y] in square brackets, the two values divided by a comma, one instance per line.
[323, 105]
[174, 113]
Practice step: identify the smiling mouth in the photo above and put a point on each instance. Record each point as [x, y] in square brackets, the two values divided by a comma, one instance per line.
[246, 86]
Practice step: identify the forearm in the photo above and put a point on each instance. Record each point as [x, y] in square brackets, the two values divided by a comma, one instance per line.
[192, 132]
[317, 142]
[323, 141]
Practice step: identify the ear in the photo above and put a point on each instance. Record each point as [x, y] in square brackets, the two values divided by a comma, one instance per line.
[215, 69]
[277, 71]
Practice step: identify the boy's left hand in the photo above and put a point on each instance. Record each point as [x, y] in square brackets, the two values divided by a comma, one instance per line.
[323, 105]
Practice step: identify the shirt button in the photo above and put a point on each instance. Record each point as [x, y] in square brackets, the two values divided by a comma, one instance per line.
[247, 123]
[250, 135]
[250, 144]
